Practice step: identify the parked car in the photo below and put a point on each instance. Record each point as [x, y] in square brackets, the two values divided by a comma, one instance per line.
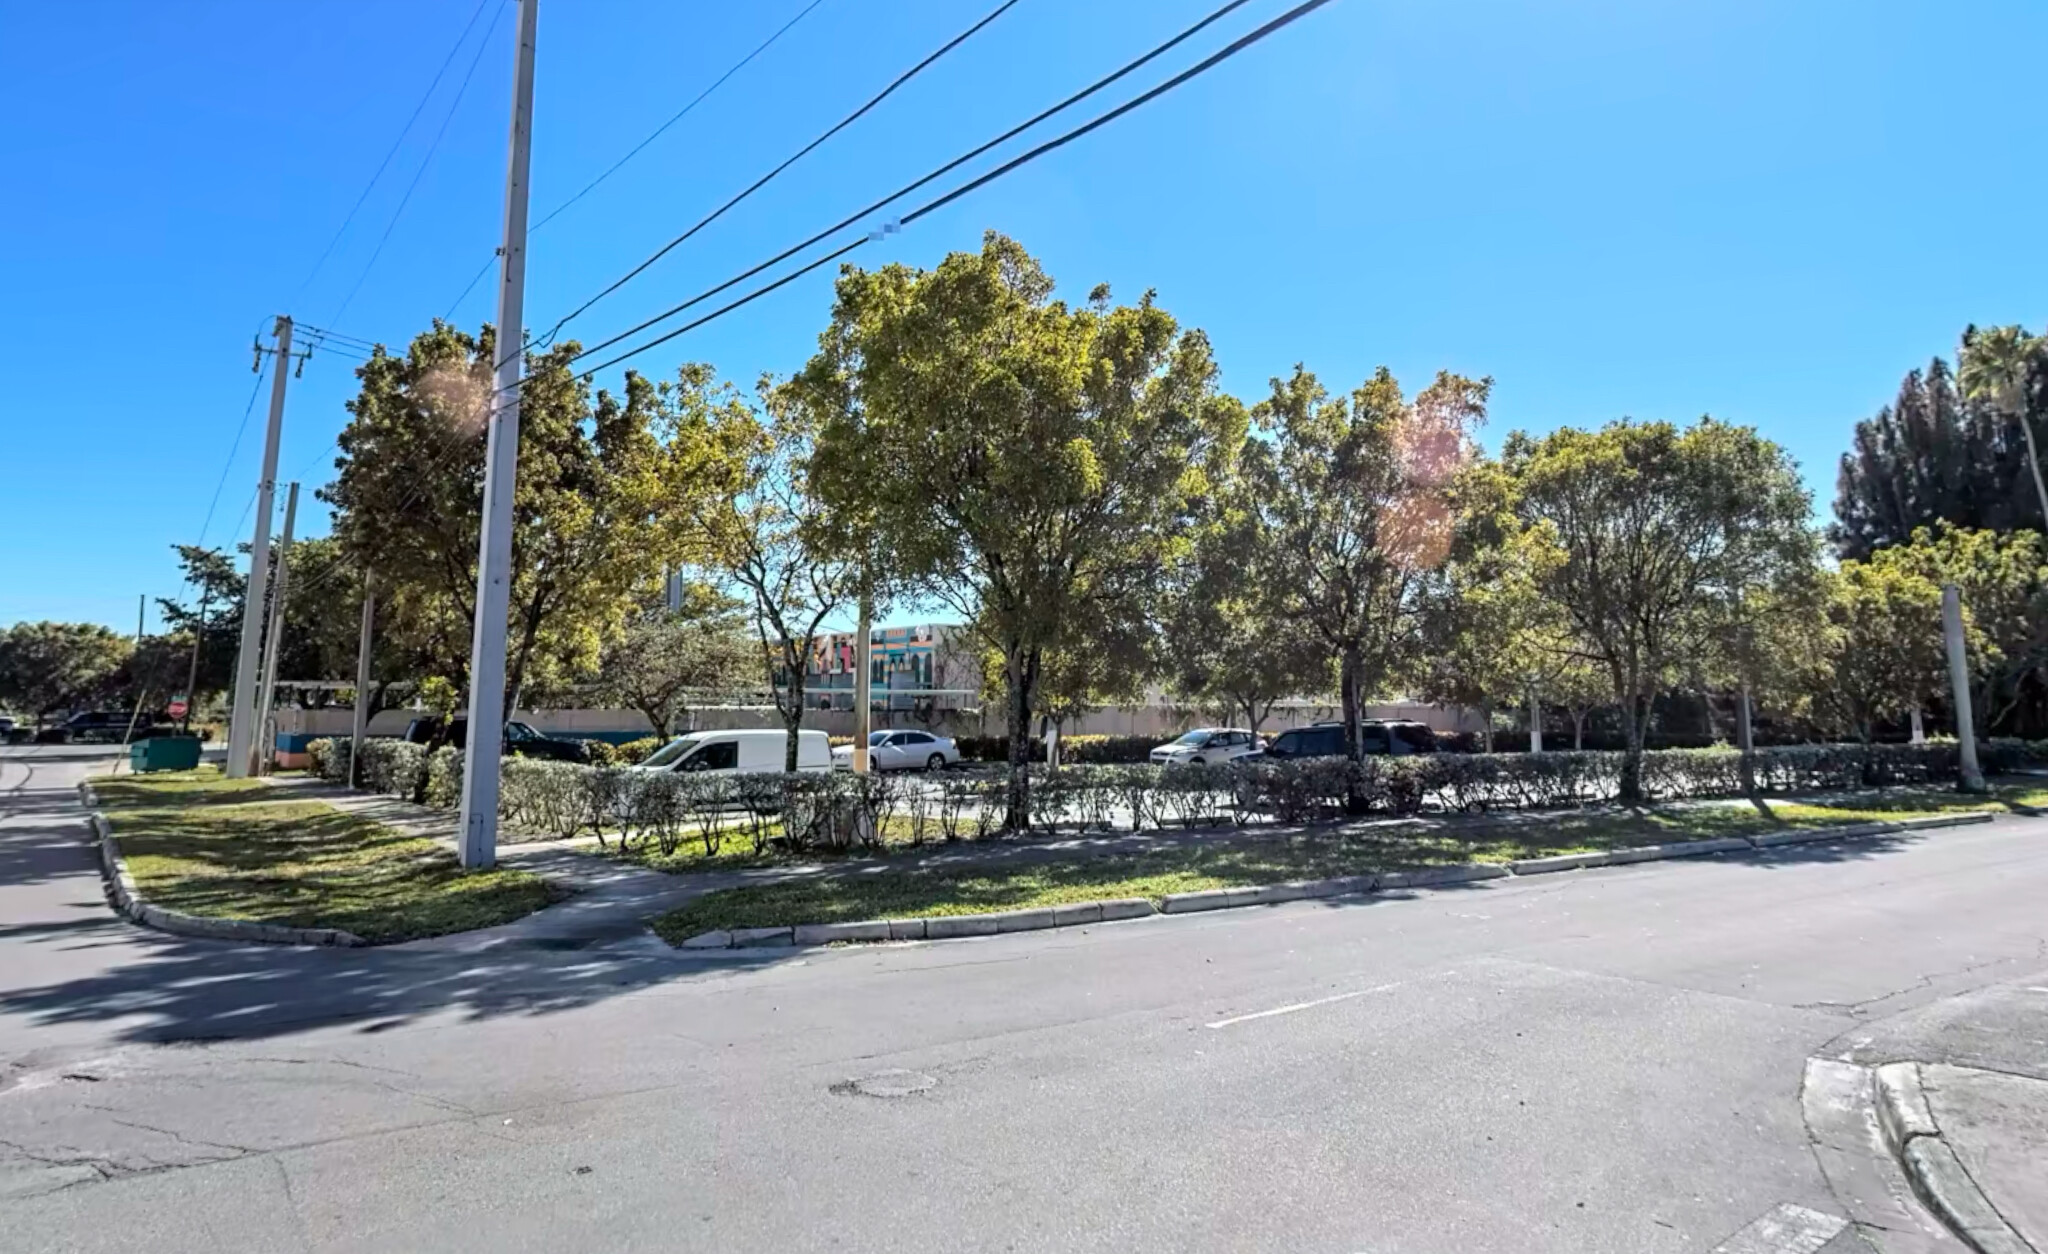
[902, 751]
[108, 727]
[521, 740]
[1207, 744]
[749, 751]
[1396, 738]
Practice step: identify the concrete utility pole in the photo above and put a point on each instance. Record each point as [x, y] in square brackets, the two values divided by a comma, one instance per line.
[268, 691]
[479, 827]
[361, 722]
[1972, 777]
[242, 703]
[1535, 722]
[192, 670]
[863, 681]
[141, 611]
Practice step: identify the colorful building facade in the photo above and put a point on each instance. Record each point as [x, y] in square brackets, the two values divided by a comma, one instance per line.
[929, 666]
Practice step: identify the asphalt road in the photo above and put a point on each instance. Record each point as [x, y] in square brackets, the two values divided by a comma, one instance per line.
[1603, 1061]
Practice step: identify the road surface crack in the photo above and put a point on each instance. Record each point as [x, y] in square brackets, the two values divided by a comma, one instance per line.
[1861, 1008]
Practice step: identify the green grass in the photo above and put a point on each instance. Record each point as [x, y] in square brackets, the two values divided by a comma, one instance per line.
[1249, 857]
[206, 845]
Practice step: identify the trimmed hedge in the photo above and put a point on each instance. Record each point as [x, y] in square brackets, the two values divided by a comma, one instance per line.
[839, 811]
[1081, 750]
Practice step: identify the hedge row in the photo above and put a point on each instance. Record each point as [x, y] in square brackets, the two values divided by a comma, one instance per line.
[842, 810]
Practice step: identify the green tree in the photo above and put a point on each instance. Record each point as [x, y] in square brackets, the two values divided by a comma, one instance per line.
[1357, 496]
[1036, 466]
[1999, 366]
[1937, 455]
[46, 667]
[217, 600]
[1657, 526]
[665, 658]
[1579, 687]
[596, 514]
[1881, 651]
[1225, 643]
[1490, 638]
[2003, 583]
[765, 531]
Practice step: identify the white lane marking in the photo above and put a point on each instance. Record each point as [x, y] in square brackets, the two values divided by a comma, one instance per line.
[1306, 1005]
[1788, 1229]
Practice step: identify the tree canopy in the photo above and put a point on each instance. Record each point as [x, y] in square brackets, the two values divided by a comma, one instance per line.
[1659, 528]
[1938, 455]
[1356, 496]
[596, 516]
[1033, 464]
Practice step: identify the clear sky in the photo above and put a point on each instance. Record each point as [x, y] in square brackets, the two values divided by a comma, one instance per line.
[1762, 210]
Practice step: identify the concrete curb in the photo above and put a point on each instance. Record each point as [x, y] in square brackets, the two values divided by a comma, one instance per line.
[127, 900]
[952, 926]
[1937, 1176]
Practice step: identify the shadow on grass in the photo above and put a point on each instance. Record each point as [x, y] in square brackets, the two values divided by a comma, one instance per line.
[212, 849]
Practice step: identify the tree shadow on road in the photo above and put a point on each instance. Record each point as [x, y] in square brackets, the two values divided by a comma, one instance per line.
[184, 990]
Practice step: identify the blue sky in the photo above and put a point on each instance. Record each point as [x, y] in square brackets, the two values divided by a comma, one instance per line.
[1759, 210]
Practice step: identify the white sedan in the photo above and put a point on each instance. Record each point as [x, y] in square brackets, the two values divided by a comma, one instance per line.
[1207, 744]
[902, 751]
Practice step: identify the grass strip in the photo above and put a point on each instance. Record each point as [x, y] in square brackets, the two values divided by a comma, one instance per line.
[227, 849]
[1247, 857]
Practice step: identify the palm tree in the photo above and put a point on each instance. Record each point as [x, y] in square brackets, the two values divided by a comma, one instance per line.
[1997, 365]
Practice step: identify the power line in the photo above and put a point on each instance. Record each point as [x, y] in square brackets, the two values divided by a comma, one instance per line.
[482, 46]
[403, 131]
[614, 168]
[250, 408]
[763, 181]
[340, 336]
[954, 164]
[677, 116]
[1230, 50]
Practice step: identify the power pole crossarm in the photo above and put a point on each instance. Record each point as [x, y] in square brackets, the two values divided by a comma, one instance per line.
[478, 832]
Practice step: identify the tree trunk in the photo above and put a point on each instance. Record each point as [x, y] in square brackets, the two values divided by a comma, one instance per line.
[1020, 668]
[1352, 688]
[1635, 715]
[1578, 730]
[2034, 464]
[1486, 727]
[793, 717]
[1354, 715]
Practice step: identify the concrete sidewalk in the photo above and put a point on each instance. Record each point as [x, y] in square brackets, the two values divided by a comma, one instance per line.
[1996, 1126]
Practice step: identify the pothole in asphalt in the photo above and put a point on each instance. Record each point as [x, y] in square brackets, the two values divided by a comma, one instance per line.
[892, 1083]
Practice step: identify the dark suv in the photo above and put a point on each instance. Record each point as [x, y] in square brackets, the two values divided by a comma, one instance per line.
[520, 740]
[107, 726]
[1326, 740]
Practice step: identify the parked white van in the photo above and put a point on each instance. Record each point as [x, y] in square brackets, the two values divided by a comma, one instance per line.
[751, 751]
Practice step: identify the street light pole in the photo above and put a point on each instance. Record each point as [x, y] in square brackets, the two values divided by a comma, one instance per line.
[478, 831]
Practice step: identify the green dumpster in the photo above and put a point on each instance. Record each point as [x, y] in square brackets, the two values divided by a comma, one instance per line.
[164, 753]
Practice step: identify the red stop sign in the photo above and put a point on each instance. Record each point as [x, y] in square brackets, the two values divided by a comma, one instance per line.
[175, 709]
